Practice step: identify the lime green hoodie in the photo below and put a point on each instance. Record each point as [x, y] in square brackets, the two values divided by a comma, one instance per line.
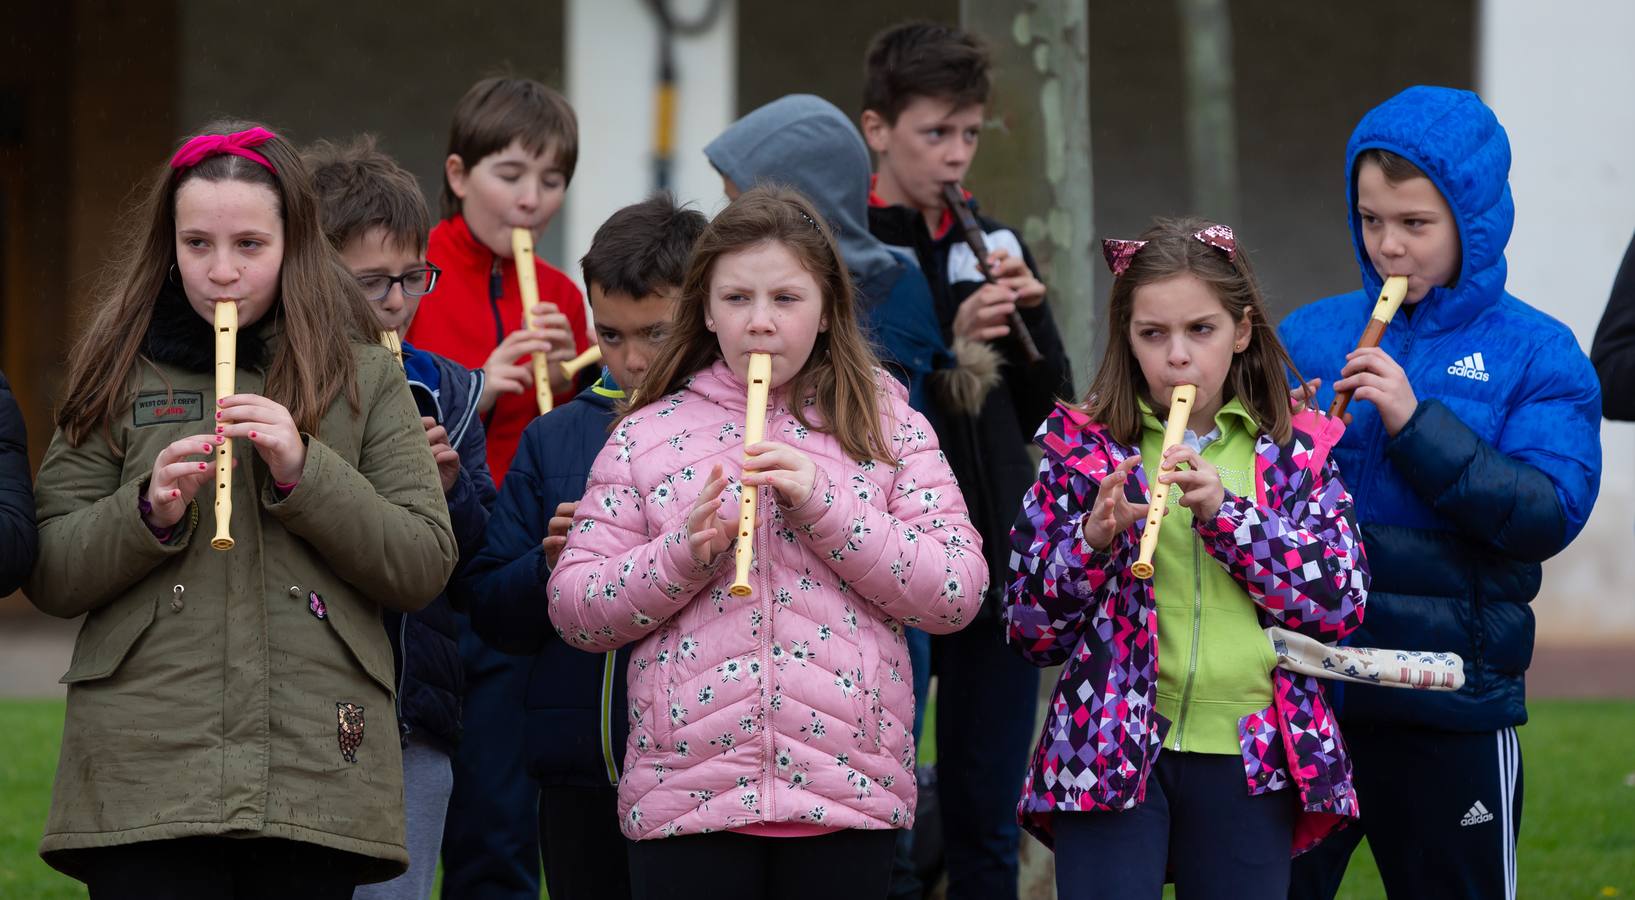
[1214, 661]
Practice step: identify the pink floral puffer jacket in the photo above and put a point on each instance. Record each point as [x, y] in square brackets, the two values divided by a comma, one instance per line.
[793, 704]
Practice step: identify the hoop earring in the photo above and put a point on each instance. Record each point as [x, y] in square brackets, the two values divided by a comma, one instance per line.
[173, 276]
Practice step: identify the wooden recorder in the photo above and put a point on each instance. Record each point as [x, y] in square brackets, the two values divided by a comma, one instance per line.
[1391, 296]
[1175, 427]
[522, 252]
[760, 380]
[226, 371]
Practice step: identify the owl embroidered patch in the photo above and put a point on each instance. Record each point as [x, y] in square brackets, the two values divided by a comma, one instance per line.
[349, 729]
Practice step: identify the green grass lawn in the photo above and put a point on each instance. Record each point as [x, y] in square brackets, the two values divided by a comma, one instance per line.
[1577, 840]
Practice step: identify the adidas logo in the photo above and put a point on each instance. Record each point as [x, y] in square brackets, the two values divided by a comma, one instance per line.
[1470, 367]
[1476, 815]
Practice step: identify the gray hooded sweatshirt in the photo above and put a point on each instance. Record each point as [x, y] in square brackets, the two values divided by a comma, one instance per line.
[806, 143]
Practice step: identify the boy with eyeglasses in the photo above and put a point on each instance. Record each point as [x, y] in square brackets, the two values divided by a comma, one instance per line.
[374, 215]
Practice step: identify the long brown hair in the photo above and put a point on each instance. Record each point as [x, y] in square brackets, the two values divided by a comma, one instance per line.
[1258, 376]
[319, 303]
[839, 375]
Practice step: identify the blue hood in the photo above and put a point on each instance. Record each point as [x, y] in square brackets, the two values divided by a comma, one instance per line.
[1456, 140]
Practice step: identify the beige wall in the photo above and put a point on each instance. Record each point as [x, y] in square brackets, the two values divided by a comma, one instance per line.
[319, 69]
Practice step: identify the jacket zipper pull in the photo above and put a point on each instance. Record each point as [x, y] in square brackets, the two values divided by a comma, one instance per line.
[496, 281]
[176, 603]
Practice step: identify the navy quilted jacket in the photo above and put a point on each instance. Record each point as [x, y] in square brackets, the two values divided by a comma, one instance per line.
[425, 644]
[19, 538]
[1498, 468]
[573, 713]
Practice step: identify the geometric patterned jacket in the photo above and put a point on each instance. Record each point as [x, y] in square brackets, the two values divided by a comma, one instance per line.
[1293, 547]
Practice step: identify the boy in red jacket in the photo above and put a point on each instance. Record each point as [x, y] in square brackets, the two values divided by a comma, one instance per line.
[512, 150]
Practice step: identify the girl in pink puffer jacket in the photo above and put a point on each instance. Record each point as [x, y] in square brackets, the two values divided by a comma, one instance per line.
[769, 734]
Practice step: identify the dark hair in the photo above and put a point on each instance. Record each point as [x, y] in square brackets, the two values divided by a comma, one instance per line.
[1396, 169]
[497, 111]
[923, 59]
[840, 377]
[361, 188]
[319, 303]
[643, 247]
[1258, 377]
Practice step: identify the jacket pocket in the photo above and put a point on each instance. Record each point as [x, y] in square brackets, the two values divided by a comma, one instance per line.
[365, 638]
[106, 639]
[1265, 758]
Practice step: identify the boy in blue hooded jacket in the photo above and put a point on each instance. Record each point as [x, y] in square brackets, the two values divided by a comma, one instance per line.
[1474, 454]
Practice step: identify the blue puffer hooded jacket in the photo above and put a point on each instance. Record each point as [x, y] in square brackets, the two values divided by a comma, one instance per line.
[1499, 466]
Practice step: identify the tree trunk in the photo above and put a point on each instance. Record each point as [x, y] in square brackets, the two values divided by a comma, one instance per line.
[1033, 169]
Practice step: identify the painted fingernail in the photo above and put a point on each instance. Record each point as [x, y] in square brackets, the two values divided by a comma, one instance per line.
[218, 413]
[203, 466]
[207, 446]
[252, 435]
[219, 429]
[175, 493]
[219, 439]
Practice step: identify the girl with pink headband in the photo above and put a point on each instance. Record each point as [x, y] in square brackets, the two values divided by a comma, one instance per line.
[230, 728]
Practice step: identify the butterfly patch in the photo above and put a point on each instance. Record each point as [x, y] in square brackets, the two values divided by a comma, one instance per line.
[348, 728]
[315, 605]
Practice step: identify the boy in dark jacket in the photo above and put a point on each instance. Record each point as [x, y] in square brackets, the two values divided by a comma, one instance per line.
[925, 90]
[1474, 454]
[19, 537]
[374, 215]
[575, 718]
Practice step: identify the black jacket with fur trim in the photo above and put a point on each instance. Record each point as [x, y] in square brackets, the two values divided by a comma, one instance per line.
[987, 408]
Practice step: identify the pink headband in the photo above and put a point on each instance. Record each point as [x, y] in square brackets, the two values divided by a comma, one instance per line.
[1120, 252]
[201, 147]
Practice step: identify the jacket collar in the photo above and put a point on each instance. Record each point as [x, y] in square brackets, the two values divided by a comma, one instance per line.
[177, 336]
[467, 251]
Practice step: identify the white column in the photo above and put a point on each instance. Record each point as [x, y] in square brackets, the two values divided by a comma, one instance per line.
[612, 68]
[1560, 77]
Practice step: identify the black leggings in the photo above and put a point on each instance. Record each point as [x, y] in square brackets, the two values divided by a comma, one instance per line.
[1198, 821]
[841, 865]
[217, 868]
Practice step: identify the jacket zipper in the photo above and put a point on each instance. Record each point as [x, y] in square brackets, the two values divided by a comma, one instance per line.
[768, 784]
[1192, 654]
[496, 286]
[610, 663]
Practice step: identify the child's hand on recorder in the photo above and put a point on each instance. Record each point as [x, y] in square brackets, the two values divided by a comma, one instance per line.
[177, 476]
[1013, 272]
[556, 532]
[788, 471]
[447, 458]
[1371, 374]
[503, 373]
[268, 426]
[1112, 514]
[1200, 482]
[707, 536]
[558, 332]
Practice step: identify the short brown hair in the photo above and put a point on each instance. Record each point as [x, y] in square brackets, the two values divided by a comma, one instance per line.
[1259, 375]
[923, 59]
[643, 248]
[361, 188]
[499, 110]
[1395, 168]
[842, 375]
